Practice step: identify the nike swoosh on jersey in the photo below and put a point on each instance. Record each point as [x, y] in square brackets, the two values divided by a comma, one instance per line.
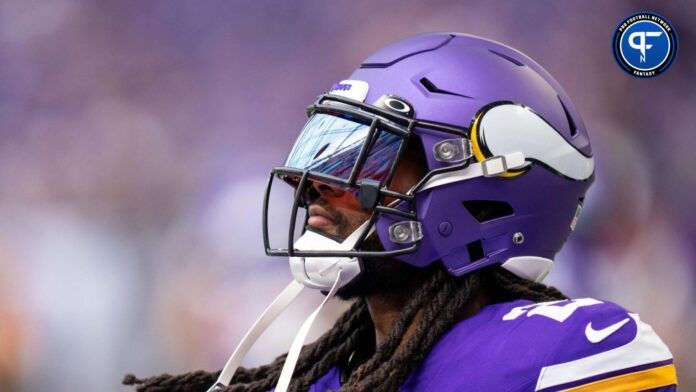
[597, 335]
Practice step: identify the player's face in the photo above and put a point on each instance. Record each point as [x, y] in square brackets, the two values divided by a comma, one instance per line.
[338, 212]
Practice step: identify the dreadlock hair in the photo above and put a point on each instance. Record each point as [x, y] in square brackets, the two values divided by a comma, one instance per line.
[441, 298]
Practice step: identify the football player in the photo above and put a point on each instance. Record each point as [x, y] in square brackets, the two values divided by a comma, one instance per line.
[438, 182]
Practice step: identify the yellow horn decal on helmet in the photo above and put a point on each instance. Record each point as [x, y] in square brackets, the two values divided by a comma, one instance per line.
[478, 153]
[475, 148]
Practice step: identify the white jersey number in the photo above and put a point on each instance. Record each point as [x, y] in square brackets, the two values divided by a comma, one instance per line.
[551, 309]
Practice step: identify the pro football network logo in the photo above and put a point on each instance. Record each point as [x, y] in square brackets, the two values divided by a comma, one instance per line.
[645, 44]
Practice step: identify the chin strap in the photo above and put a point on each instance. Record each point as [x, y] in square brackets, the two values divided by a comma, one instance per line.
[269, 315]
[298, 342]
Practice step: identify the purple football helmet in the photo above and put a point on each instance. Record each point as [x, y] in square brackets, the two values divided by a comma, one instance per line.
[508, 156]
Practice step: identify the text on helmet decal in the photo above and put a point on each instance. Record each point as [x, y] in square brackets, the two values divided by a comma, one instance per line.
[353, 89]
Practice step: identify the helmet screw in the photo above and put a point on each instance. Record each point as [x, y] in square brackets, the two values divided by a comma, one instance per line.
[517, 238]
[445, 228]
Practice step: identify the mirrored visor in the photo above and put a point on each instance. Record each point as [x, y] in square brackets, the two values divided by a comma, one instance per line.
[331, 145]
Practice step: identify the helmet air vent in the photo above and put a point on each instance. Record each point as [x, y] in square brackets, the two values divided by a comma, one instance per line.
[430, 86]
[506, 57]
[487, 210]
[475, 249]
[571, 123]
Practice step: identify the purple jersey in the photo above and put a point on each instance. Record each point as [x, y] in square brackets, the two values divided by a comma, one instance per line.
[572, 345]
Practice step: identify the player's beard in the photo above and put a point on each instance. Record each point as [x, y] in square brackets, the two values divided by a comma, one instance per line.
[380, 276]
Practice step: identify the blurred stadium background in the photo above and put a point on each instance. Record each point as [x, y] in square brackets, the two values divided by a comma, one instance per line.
[136, 138]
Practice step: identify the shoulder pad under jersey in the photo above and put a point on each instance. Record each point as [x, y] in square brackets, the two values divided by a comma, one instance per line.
[591, 345]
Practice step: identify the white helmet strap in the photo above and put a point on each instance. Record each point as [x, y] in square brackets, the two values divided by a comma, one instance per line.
[298, 342]
[269, 315]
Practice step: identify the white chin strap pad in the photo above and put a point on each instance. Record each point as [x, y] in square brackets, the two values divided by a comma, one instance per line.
[320, 272]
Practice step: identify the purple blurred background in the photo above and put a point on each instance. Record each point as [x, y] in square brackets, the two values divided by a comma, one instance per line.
[136, 138]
